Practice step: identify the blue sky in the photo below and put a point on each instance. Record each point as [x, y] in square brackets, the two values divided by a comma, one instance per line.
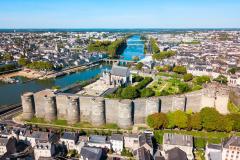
[119, 13]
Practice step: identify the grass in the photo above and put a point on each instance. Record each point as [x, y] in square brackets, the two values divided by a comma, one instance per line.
[232, 108]
[62, 122]
[199, 155]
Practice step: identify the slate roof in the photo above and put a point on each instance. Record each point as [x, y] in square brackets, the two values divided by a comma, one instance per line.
[117, 137]
[232, 141]
[215, 155]
[176, 154]
[145, 138]
[142, 154]
[214, 146]
[91, 153]
[120, 71]
[97, 139]
[70, 136]
[178, 139]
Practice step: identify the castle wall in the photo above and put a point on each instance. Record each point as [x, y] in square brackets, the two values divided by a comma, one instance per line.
[152, 106]
[125, 113]
[194, 101]
[139, 111]
[99, 110]
[179, 103]
[111, 106]
[85, 108]
[166, 103]
[62, 106]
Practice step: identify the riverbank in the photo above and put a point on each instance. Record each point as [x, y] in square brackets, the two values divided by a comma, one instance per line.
[31, 74]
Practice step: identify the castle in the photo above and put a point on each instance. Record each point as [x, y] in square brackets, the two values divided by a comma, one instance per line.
[99, 111]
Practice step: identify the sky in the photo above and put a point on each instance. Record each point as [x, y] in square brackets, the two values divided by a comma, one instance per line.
[119, 13]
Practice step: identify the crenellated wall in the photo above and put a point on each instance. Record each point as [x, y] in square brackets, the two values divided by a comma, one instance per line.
[124, 113]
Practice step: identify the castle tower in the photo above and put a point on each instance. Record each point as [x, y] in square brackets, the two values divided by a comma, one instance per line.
[50, 108]
[125, 115]
[28, 106]
[98, 111]
[73, 111]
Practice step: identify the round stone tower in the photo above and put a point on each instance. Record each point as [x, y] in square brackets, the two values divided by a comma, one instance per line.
[73, 112]
[98, 111]
[50, 108]
[28, 106]
[152, 106]
[125, 114]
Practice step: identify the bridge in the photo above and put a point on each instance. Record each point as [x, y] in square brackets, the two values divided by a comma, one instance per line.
[118, 61]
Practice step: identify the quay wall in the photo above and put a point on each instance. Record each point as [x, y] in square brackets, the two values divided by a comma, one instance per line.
[125, 113]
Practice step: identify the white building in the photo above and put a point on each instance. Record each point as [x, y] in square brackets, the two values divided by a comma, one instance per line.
[231, 149]
[183, 142]
[3, 143]
[43, 150]
[99, 141]
[118, 76]
[117, 142]
[213, 152]
[69, 139]
[131, 141]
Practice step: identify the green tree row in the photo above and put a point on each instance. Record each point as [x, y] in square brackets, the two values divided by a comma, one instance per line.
[112, 48]
[208, 119]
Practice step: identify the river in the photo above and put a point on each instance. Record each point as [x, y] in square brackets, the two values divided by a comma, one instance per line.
[10, 93]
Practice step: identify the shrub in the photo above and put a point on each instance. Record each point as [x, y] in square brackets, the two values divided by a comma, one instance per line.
[180, 69]
[129, 93]
[147, 92]
[157, 120]
[187, 77]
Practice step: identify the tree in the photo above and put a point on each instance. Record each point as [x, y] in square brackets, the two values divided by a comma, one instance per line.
[147, 92]
[157, 120]
[235, 118]
[23, 61]
[187, 77]
[209, 118]
[183, 87]
[180, 69]
[195, 121]
[177, 119]
[225, 123]
[135, 58]
[129, 93]
[221, 79]
[139, 66]
[200, 80]
[7, 57]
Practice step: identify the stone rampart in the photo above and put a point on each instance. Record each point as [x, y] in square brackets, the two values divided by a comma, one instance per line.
[99, 110]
